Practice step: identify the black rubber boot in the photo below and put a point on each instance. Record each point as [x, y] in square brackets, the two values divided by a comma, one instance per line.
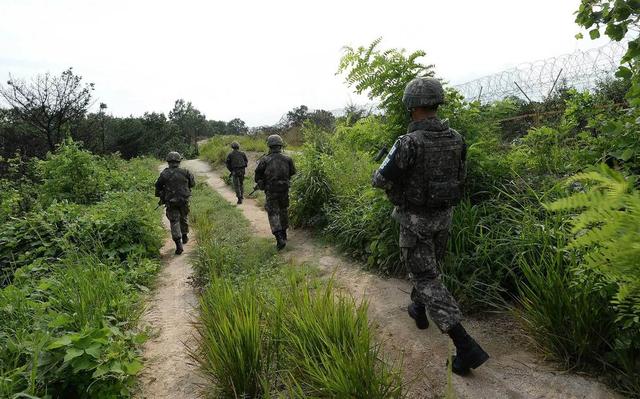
[239, 201]
[419, 314]
[469, 355]
[185, 238]
[281, 241]
[179, 249]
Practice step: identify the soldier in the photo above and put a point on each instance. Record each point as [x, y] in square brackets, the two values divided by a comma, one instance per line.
[423, 177]
[236, 163]
[173, 187]
[273, 175]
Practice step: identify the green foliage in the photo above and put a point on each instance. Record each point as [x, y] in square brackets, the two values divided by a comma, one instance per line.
[76, 274]
[607, 225]
[383, 75]
[265, 330]
[72, 174]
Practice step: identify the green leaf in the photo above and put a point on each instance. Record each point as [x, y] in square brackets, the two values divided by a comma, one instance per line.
[133, 368]
[72, 353]
[60, 342]
[116, 367]
[624, 73]
[579, 36]
[594, 33]
[628, 154]
[100, 371]
[94, 350]
[83, 363]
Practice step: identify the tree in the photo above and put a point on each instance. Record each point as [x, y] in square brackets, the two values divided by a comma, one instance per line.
[323, 119]
[618, 17]
[383, 75]
[48, 102]
[191, 122]
[297, 116]
[237, 126]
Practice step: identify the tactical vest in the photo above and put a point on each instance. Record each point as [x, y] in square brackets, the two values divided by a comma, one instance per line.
[176, 185]
[437, 177]
[236, 160]
[277, 172]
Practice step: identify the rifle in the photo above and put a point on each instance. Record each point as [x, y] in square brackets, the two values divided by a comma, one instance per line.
[255, 188]
[383, 151]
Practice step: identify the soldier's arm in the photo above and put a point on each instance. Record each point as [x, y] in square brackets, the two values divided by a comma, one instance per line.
[246, 161]
[227, 162]
[259, 173]
[159, 186]
[399, 158]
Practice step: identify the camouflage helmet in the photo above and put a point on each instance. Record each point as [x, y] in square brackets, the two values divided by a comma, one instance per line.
[274, 140]
[235, 145]
[423, 92]
[174, 157]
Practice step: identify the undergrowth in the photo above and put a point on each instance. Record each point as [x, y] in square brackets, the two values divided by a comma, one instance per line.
[75, 266]
[269, 329]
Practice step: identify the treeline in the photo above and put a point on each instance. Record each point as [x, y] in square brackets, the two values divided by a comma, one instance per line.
[43, 111]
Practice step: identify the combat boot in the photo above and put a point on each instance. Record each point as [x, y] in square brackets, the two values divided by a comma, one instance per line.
[419, 314]
[239, 201]
[179, 248]
[281, 241]
[185, 238]
[469, 355]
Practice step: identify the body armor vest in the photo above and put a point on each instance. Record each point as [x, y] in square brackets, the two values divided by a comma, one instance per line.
[176, 187]
[277, 172]
[437, 177]
[236, 160]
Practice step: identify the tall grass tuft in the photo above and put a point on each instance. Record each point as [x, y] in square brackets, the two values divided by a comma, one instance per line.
[233, 345]
[329, 347]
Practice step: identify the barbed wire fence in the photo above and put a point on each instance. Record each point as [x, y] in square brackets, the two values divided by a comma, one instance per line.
[536, 81]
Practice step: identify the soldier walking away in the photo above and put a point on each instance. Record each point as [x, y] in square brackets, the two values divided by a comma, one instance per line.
[273, 175]
[173, 187]
[236, 163]
[423, 176]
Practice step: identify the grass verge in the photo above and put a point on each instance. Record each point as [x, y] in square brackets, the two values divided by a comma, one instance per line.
[268, 328]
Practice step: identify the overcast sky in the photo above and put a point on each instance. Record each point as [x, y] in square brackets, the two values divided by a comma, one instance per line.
[258, 59]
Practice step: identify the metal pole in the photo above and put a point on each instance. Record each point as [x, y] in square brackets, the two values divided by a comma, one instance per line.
[554, 82]
[480, 94]
[522, 91]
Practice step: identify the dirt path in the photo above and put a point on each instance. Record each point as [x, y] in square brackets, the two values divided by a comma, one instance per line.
[169, 371]
[512, 372]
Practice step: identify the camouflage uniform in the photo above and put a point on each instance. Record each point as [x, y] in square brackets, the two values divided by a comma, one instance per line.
[236, 163]
[273, 175]
[174, 189]
[429, 150]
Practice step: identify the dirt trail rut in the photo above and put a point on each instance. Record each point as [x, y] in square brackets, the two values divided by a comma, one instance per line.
[512, 371]
[169, 372]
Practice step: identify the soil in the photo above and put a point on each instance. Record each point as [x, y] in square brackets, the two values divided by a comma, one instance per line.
[514, 370]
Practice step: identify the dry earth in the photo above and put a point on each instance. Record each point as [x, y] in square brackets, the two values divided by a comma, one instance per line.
[512, 372]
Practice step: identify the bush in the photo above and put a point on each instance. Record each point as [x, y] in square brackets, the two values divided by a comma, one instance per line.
[215, 149]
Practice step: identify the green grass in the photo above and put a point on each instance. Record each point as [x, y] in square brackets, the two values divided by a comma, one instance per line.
[267, 328]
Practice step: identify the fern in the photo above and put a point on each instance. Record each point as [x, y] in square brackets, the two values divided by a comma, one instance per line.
[607, 224]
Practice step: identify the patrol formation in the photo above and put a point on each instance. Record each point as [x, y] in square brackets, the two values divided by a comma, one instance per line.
[423, 176]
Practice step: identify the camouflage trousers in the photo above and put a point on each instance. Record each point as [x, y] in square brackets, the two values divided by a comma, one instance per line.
[178, 218]
[237, 179]
[277, 206]
[422, 255]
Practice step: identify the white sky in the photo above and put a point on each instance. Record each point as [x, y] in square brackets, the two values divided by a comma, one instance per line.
[258, 59]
